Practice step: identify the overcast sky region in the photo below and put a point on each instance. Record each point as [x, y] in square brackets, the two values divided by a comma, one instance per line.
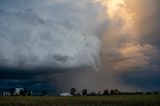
[91, 44]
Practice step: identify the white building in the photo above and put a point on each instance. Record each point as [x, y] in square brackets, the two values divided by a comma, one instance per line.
[17, 91]
[65, 94]
[6, 93]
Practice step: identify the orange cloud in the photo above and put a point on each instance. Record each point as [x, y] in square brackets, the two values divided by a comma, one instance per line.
[134, 56]
[122, 44]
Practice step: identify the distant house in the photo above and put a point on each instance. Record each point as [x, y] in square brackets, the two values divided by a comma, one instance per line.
[65, 94]
[6, 93]
[18, 90]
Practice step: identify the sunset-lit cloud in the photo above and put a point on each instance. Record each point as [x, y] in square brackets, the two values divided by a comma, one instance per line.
[135, 56]
[124, 35]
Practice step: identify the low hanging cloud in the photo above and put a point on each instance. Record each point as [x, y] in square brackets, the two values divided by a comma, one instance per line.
[52, 34]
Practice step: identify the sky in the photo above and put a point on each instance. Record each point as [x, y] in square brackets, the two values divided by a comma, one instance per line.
[86, 44]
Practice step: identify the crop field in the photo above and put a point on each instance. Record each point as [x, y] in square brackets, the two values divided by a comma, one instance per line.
[111, 100]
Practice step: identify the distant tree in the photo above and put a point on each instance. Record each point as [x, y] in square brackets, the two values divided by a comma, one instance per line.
[78, 94]
[12, 90]
[29, 93]
[155, 92]
[92, 94]
[106, 92]
[114, 92]
[54, 92]
[73, 91]
[99, 93]
[23, 92]
[44, 92]
[84, 92]
[148, 92]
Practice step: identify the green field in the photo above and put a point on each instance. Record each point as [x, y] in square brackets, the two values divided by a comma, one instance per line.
[116, 100]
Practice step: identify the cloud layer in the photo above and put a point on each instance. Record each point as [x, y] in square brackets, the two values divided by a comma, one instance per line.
[52, 34]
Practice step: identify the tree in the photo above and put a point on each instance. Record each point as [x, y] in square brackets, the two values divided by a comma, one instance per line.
[84, 92]
[78, 94]
[73, 90]
[105, 92]
[29, 93]
[114, 92]
[99, 93]
[12, 90]
[23, 92]
[92, 94]
[44, 92]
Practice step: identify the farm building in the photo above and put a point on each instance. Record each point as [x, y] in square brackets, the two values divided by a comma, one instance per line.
[6, 93]
[65, 94]
[18, 90]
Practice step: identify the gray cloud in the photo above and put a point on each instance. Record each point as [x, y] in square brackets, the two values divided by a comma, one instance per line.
[52, 34]
[39, 39]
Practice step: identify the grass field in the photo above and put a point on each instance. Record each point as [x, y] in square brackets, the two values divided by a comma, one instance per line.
[117, 100]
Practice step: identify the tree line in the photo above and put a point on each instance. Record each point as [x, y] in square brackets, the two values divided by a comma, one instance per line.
[84, 92]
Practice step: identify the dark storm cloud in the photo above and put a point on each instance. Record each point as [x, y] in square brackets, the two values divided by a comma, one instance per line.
[51, 34]
[146, 80]
[41, 38]
[34, 86]
[43, 73]
[54, 40]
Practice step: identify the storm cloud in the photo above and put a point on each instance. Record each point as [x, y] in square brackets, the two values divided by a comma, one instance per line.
[63, 42]
[52, 34]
